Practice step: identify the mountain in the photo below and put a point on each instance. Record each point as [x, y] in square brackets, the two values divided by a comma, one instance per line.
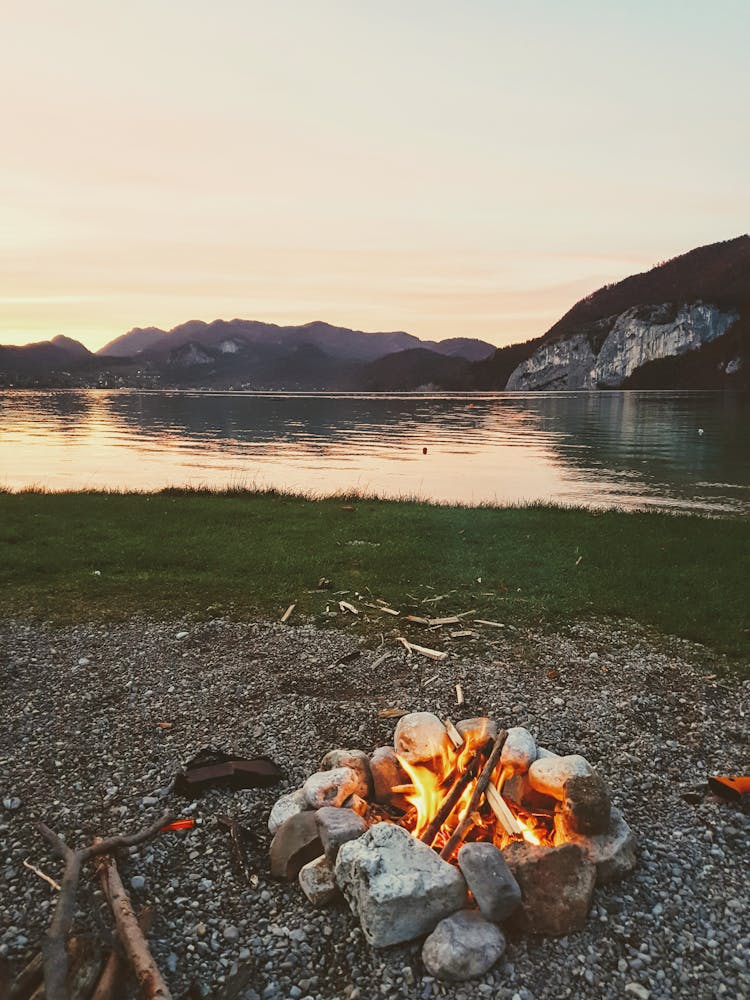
[335, 341]
[60, 353]
[683, 323]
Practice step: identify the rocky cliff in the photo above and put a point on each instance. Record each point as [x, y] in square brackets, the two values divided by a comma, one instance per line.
[605, 353]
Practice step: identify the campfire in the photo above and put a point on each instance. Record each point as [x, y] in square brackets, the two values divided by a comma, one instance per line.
[454, 831]
[457, 796]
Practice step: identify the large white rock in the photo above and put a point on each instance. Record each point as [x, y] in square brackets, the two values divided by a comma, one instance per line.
[462, 946]
[613, 852]
[330, 788]
[519, 749]
[286, 807]
[420, 737]
[549, 774]
[397, 886]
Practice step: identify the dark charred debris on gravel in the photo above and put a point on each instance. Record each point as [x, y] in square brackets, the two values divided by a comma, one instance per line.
[86, 749]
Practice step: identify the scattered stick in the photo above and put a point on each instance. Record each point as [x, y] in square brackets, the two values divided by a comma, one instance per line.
[430, 680]
[237, 836]
[382, 607]
[41, 874]
[346, 606]
[461, 633]
[476, 797]
[459, 695]
[149, 979]
[412, 647]
[379, 660]
[392, 713]
[114, 971]
[451, 800]
[54, 948]
[27, 979]
[287, 614]
[483, 621]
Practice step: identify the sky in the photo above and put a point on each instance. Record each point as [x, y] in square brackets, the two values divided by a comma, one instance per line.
[449, 169]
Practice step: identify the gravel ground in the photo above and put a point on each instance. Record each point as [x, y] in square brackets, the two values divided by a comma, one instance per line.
[82, 749]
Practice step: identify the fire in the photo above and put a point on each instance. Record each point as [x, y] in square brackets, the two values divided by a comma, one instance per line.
[494, 818]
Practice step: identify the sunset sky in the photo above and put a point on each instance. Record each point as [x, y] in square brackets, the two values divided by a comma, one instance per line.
[451, 169]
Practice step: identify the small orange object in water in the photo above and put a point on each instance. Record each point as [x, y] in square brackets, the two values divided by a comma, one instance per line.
[179, 824]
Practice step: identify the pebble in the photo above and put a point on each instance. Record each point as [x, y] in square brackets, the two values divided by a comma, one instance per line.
[138, 882]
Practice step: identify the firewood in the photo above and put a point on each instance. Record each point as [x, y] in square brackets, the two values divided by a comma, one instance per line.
[453, 734]
[27, 979]
[500, 808]
[476, 797]
[412, 647]
[150, 982]
[114, 970]
[459, 695]
[54, 948]
[287, 614]
[451, 800]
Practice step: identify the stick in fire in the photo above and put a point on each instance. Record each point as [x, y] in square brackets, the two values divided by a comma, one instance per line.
[479, 790]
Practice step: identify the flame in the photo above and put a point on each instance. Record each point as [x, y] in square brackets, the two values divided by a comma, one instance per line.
[433, 781]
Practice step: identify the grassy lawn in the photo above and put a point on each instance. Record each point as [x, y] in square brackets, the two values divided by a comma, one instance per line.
[100, 555]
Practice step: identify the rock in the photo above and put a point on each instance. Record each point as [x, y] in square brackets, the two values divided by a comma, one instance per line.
[138, 882]
[541, 752]
[330, 788]
[386, 772]
[336, 827]
[636, 990]
[613, 852]
[548, 775]
[84, 661]
[397, 886]
[518, 789]
[477, 729]
[519, 750]
[286, 807]
[358, 761]
[11, 803]
[231, 933]
[317, 881]
[495, 890]
[420, 737]
[586, 805]
[182, 635]
[296, 842]
[557, 884]
[462, 946]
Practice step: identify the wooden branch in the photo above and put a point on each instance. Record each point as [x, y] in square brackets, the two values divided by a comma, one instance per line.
[54, 948]
[451, 800]
[476, 797]
[114, 971]
[148, 977]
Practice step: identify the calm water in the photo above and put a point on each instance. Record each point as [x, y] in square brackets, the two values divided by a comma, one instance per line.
[627, 449]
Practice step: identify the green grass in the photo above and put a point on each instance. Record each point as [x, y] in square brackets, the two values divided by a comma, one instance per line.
[240, 554]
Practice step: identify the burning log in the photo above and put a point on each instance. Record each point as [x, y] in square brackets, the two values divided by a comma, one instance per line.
[54, 949]
[150, 981]
[476, 797]
[451, 800]
[501, 810]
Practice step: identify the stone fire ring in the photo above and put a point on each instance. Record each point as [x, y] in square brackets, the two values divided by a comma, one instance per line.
[329, 835]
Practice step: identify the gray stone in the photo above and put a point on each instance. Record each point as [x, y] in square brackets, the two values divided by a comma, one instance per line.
[495, 890]
[317, 881]
[386, 772]
[296, 842]
[330, 788]
[11, 803]
[462, 946]
[420, 737]
[358, 761]
[477, 729]
[557, 885]
[548, 775]
[286, 807]
[138, 882]
[398, 887]
[519, 749]
[336, 827]
[586, 804]
[613, 852]
[543, 753]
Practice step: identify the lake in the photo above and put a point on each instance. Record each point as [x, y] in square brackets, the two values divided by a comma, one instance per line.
[686, 451]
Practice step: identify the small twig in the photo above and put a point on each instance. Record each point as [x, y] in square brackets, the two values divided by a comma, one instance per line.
[476, 797]
[41, 874]
[287, 614]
